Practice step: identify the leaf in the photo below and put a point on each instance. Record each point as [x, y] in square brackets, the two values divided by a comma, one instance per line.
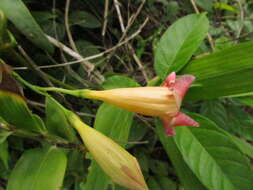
[118, 81]
[14, 111]
[248, 100]
[240, 122]
[17, 12]
[4, 135]
[137, 133]
[179, 42]
[165, 182]
[114, 123]
[213, 157]
[186, 176]
[56, 121]
[158, 167]
[4, 154]
[225, 73]
[224, 6]
[215, 111]
[223, 43]
[205, 4]
[153, 184]
[84, 19]
[39, 169]
[245, 147]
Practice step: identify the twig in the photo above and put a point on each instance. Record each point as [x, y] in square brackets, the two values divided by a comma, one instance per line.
[139, 63]
[69, 51]
[105, 17]
[136, 58]
[66, 20]
[88, 67]
[66, 49]
[209, 37]
[132, 19]
[116, 4]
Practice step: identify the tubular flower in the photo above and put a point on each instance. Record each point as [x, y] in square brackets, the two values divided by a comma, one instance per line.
[121, 166]
[163, 101]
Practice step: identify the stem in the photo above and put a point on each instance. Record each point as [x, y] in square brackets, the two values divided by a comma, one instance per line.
[83, 93]
[33, 87]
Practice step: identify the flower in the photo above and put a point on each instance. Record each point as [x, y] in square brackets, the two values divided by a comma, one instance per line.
[121, 166]
[164, 101]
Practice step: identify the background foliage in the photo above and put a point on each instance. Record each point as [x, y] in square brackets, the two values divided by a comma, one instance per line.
[112, 44]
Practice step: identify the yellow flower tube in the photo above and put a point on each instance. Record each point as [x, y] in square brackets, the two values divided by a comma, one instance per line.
[121, 166]
[164, 101]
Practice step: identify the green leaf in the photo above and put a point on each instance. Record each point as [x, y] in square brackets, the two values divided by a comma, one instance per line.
[224, 73]
[165, 182]
[84, 19]
[245, 147]
[224, 6]
[205, 4]
[153, 184]
[240, 122]
[118, 81]
[4, 135]
[248, 100]
[215, 111]
[4, 154]
[14, 111]
[179, 42]
[213, 157]
[114, 123]
[56, 121]
[223, 43]
[186, 176]
[17, 12]
[39, 169]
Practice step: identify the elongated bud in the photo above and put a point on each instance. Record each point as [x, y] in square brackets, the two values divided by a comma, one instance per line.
[121, 166]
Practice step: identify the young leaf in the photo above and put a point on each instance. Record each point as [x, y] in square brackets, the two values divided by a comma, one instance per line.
[39, 169]
[179, 42]
[213, 157]
[17, 12]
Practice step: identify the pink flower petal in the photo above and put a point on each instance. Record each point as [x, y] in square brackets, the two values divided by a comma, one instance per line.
[170, 80]
[169, 130]
[182, 84]
[183, 120]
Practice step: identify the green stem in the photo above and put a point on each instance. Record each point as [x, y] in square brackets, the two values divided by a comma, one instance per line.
[83, 93]
[33, 87]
